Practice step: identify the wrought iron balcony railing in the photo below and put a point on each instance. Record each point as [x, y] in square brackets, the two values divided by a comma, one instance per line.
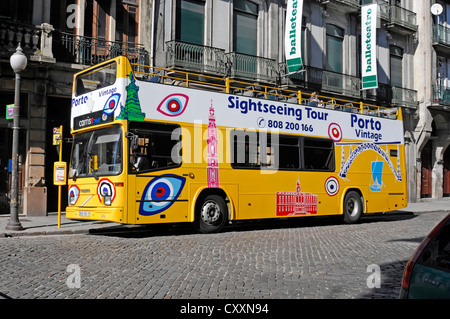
[346, 85]
[441, 34]
[351, 3]
[403, 17]
[86, 50]
[253, 68]
[197, 58]
[441, 94]
[323, 80]
[398, 17]
[404, 97]
[209, 60]
[341, 83]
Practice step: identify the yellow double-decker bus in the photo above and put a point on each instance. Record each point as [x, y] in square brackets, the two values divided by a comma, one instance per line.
[161, 146]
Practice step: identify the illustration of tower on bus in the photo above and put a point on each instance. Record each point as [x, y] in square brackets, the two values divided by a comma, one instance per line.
[212, 168]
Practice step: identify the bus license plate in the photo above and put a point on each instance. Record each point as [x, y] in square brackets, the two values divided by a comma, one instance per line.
[84, 213]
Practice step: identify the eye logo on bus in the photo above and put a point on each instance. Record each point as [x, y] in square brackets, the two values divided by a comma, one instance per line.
[111, 104]
[160, 194]
[173, 105]
[106, 188]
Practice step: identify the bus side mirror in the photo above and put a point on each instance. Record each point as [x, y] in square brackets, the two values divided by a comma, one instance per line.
[133, 140]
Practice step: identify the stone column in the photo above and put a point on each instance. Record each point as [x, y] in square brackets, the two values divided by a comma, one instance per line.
[35, 191]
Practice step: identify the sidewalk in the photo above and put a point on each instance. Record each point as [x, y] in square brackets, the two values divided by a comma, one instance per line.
[48, 225]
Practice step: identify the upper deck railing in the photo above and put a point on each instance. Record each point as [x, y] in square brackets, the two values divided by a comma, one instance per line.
[231, 86]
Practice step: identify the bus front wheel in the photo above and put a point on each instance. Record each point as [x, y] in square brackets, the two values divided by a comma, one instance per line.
[211, 214]
[353, 207]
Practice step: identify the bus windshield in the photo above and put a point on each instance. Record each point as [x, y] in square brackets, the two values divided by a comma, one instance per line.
[100, 77]
[97, 153]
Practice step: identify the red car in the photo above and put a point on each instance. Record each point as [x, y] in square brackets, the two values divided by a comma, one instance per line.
[427, 274]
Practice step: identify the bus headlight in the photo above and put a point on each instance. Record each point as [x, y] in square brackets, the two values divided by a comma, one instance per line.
[72, 199]
[107, 200]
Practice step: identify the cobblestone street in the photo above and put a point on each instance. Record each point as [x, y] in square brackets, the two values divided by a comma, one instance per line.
[306, 258]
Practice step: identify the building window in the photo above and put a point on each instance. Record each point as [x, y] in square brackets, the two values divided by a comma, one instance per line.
[62, 15]
[245, 18]
[190, 21]
[396, 64]
[17, 11]
[334, 43]
[96, 19]
[443, 69]
[127, 21]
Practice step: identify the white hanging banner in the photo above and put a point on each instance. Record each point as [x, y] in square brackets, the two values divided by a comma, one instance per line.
[293, 36]
[369, 46]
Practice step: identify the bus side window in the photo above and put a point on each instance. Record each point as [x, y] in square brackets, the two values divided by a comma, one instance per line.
[139, 156]
[289, 152]
[80, 87]
[318, 154]
[154, 147]
[251, 150]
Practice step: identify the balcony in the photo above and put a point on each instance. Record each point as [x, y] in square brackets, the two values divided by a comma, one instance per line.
[315, 79]
[346, 5]
[441, 39]
[398, 19]
[441, 95]
[73, 48]
[253, 68]
[351, 3]
[322, 80]
[195, 58]
[214, 61]
[404, 97]
[36, 41]
[341, 83]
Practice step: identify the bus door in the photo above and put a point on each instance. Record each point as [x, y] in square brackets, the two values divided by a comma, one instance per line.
[157, 189]
[427, 169]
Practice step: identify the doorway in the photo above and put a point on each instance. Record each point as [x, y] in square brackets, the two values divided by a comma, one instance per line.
[446, 179]
[426, 160]
[58, 113]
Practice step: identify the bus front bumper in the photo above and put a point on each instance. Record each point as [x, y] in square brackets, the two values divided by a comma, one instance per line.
[111, 214]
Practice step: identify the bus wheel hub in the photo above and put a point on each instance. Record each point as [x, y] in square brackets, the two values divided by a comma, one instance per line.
[210, 212]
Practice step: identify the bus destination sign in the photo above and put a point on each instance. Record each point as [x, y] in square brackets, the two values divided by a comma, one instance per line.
[92, 119]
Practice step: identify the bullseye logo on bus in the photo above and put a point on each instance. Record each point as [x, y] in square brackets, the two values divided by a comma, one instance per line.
[332, 186]
[335, 132]
[173, 105]
[160, 194]
[106, 188]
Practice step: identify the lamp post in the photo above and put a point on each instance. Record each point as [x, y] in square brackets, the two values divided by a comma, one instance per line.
[18, 63]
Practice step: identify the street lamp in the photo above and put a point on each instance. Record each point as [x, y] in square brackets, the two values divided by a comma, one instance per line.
[18, 63]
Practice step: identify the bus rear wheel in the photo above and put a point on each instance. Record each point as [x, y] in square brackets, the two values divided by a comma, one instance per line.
[353, 207]
[211, 214]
